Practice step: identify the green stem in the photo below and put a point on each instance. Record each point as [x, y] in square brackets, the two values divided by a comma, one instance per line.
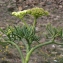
[33, 49]
[19, 50]
[26, 45]
[58, 43]
[34, 23]
[24, 23]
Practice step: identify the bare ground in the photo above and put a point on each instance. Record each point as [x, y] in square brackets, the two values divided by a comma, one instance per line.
[55, 18]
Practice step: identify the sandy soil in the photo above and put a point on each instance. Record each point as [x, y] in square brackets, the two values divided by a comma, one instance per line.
[56, 18]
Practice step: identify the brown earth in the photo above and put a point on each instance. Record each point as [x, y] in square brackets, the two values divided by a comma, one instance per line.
[55, 7]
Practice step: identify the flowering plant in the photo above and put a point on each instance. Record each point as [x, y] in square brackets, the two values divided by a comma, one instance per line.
[26, 33]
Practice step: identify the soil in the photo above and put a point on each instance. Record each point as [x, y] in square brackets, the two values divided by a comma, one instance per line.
[55, 8]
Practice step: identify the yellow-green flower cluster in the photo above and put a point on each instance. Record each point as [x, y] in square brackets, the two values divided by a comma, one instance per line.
[37, 12]
[10, 30]
[20, 14]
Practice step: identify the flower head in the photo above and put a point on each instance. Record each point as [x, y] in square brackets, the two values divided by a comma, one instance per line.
[19, 14]
[37, 12]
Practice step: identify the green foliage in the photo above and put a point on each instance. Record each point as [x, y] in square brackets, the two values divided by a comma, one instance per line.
[60, 60]
[8, 32]
[26, 33]
[18, 33]
[53, 32]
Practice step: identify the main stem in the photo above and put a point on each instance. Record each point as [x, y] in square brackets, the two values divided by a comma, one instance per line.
[33, 49]
[34, 23]
[26, 45]
[24, 23]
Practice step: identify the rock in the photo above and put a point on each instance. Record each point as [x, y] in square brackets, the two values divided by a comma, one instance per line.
[55, 61]
[14, 0]
[48, 3]
[57, 17]
[37, 29]
[53, 46]
[60, 6]
[20, 8]
[42, 3]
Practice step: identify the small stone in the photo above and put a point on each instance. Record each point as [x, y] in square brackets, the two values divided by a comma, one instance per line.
[20, 8]
[4, 35]
[53, 46]
[61, 55]
[37, 29]
[55, 61]
[60, 6]
[54, 53]
[14, 0]
[42, 3]
[48, 3]
[57, 17]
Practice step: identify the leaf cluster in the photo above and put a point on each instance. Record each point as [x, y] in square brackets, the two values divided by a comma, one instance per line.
[18, 33]
[54, 32]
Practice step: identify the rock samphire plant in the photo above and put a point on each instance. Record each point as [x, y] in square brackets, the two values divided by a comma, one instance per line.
[27, 33]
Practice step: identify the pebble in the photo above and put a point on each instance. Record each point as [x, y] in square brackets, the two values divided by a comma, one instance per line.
[48, 3]
[37, 29]
[42, 3]
[55, 61]
[61, 55]
[57, 17]
[53, 46]
[60, 6]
